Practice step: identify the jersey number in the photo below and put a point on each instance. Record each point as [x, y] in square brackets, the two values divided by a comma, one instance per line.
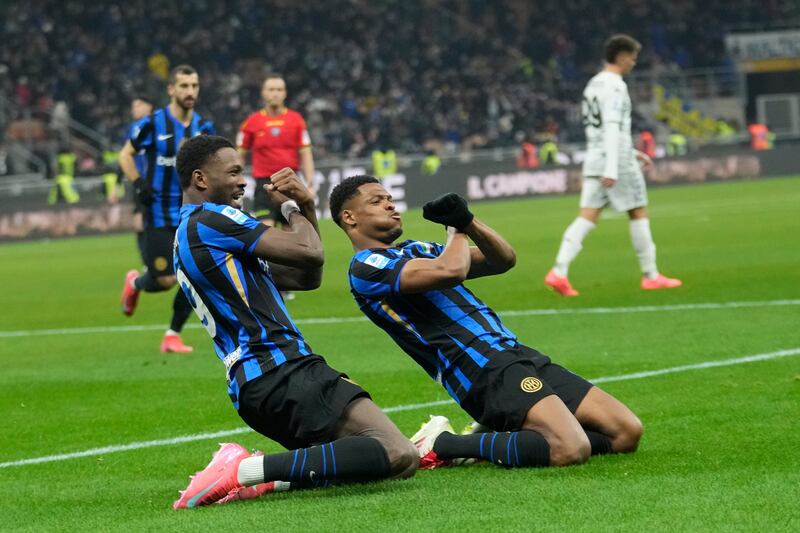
[199, 307]
[590, 110]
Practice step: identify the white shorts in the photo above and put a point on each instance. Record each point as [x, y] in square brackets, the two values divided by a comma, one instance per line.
[628, 193]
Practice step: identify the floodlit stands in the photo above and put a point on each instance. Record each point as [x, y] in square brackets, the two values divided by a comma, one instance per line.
[365, 74]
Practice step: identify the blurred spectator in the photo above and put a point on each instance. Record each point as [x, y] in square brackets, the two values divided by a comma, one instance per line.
[528, 156]
[677, 144]
[646, 143]
[760, 136]
[430, 163]
[401, 74]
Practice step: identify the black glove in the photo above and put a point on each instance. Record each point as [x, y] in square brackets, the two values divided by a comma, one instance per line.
[450, 210]
[143, 192]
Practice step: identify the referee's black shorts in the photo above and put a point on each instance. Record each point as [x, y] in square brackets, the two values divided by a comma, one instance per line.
[299, 403]
[263, 207]
[512, 382]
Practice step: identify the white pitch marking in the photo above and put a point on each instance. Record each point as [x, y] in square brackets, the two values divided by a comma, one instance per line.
[699, 366]
[396, 409]
[346, 319]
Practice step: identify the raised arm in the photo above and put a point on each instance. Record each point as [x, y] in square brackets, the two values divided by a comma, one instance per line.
[447, 270]
[492, 253]
[298, 246]
[289, 278]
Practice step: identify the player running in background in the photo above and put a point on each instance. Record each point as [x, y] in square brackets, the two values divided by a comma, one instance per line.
[141, 106]
[231, 266]
[158, 191]
[611, 171]
[537, 413]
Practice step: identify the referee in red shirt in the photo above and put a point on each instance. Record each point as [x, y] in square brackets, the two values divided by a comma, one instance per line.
[278, 138]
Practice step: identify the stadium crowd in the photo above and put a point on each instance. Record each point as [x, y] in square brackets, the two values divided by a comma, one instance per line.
[365, 74]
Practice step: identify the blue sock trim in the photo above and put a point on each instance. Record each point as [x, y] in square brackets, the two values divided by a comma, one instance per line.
[480, 452]
[333, 460]
[303, 466]
[294, 463]
[516, 450]
[508, 448]
[491, 448]
[324, 463]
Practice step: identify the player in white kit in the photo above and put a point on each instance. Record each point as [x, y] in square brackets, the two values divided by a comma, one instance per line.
[611, 171]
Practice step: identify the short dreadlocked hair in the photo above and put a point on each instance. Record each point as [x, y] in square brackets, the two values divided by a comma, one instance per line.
[346, 190]
[195, 153]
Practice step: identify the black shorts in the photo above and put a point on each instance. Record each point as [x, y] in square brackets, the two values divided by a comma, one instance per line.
[512, 383]
[157, 250]
[299, 403]
[263, 207]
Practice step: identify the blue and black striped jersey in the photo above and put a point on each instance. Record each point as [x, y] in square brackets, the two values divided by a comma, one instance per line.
[140, 158]
[233, 293]
[160, 136]
[450, 333]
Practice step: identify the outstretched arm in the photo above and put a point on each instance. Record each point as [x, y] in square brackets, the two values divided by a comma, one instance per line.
[492, 253]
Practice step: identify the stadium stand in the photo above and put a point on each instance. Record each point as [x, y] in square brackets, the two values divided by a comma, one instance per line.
[366, 74]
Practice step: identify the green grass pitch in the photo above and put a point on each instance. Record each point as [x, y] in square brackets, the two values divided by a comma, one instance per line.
[721, 450]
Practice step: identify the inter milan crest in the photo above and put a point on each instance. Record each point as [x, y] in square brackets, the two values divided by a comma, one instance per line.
[531, 384]
[160, 263]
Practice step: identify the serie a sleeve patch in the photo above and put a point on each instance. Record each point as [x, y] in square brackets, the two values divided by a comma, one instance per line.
[377, 261]
[237, 216]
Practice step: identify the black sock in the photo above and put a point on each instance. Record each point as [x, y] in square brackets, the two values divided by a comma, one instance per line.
[147, 283]
[601, 444]
[181, 309]
[140, 242]
[349, 459]
[516, 448]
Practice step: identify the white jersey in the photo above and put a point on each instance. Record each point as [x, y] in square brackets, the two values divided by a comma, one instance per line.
[606, 111]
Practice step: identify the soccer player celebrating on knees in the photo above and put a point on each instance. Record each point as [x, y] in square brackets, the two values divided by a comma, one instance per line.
[537, 413]
[232, 267]
[158, 193]
[611, 171]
